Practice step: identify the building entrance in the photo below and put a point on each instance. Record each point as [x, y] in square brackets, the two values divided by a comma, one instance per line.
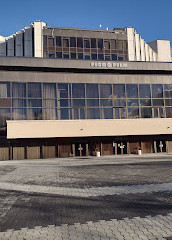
[160, 146]
[121, 147]
[80, 149]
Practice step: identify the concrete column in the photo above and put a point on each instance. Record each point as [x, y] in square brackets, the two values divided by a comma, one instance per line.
[73, 149]
[10, 47]
[143, 54]
[38, 38]
[147, 52]
[150, 54]
[28, 43]
[19, 44]
[137, 41]
[87, 151]
[155, 148]
[101, 149]
[131, 44]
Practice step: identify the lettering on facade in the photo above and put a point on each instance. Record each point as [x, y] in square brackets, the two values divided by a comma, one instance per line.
[109, 64]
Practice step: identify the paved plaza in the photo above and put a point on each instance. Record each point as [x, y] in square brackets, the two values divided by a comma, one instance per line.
[111, 197]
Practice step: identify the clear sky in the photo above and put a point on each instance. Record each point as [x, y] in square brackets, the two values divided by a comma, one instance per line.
[152, 19]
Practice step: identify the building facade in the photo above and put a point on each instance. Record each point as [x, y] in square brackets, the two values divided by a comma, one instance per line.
[84, 94]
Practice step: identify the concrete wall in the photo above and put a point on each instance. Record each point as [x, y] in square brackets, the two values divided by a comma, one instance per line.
[86, 128]
[163, 50]
[38, 38]
[19, 44]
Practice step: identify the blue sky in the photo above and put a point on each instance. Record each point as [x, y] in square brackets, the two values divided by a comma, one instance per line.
[152, 19]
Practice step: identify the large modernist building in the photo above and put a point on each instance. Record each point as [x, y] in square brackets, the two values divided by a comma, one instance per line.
[72, 92]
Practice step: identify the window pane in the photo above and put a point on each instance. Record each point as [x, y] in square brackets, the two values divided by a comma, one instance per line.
[133, 112]
[34, 103]
[79, 42]
[4, 90]
[82, 113]
[19, 103]
[168, 112]
[49, 114]
[132, 90]
[92, 90]
[73, 55]
[92, 102]
[93, 113]
[93, 43]
[19, 90]
[51, 55]
[64, 103]
[4, 115]
[119, 90]
[19, 113]
[132, 102]
[78, 90]
[100, 43]
[145, 102]
[87, 57]
[78, 102]
[58, 41]
[59, 55]
[146, 112]
[157, 102]
[65, 42]
[106, 113]
[159, 112]
[64, 90]
[114, 57]
[80, 55]
[106, 90]
[49, 103]
[144, 91]
[168, 90]
[157, 91]
[65, 113]
[168, 102]
[94, 56]
[100, 57]
[34, 90]
[34, 113]
[86, 43]
[106, 102]
[73, 42]
[50, 41]
[49, 90]
[119, 102]
[66, 56]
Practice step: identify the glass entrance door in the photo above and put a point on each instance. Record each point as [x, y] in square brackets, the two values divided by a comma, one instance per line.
[80, 149]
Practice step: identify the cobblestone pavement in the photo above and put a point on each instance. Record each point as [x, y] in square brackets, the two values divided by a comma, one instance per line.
[106, 198]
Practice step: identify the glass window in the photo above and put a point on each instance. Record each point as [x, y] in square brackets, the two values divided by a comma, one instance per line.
[80, 55]
[73, 55]
[19, 90]
[50, 41]
[92, 90]
[157, 91]
[106, 90]
[119, 90]
[58, 41]
[78, 102]
[79, 42]
[168, 102]
[132, 102]
[119, 102]
[49, 90]
[157, 102]
[78, 90]
[4, 115]
[65, 55]
[144, 91]
[145, 102]
[34, 103]
[5, 102]
[45, 41]
[4, 90]
[93, 43]
[34, 114]
[65, 42]
[113, 44]
[100, 43]
[59, 55]
[64, 103]
[132, 90]
[65, 113]
[106, 44]
[107, 57]
[146, 112]
[94, 56]
[93, 113]
[105, 102]
[47, 103]
[51, 55]
[133, 113]
[168, 90]
[123, 113]
[168, 112]
[92, 102]
[106, 113]
[100, 57]
[34, 90]
[120, 58]
[72, 42]
[120, 45]
[158, 112]
[87, 57]
[19, 113]
[64, 90]
[49, 114]
[86, 43]
[117, 115]
[19, 103]
[114, 57]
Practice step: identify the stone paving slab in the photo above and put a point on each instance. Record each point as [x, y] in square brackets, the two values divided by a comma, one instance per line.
[158, 227]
